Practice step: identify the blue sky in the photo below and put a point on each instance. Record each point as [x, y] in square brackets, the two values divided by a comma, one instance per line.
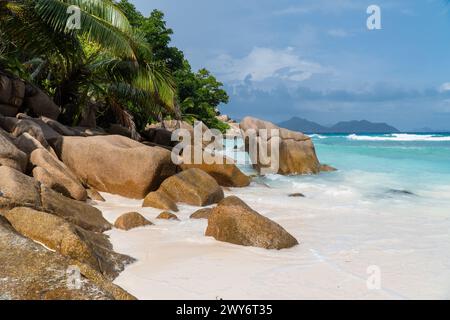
[316, 59]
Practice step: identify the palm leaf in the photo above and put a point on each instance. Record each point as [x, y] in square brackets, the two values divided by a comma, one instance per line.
[95, 28]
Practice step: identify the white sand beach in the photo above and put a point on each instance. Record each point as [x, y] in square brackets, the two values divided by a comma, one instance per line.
[340, 236]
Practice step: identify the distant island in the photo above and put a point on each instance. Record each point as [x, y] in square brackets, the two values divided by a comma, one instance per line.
[363, 126]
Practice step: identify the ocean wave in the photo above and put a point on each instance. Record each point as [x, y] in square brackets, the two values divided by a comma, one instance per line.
[317, 136]
[400, 137]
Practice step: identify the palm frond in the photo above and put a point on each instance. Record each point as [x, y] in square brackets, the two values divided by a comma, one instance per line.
[105, 10]
[95, 28]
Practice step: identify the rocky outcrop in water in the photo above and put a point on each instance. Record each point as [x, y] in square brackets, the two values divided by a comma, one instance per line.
[297, 154]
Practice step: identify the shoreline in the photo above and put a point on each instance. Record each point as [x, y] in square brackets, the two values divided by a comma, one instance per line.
[176, 260]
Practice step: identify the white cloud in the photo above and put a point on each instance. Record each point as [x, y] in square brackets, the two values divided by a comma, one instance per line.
[444, 87]
[266, 63]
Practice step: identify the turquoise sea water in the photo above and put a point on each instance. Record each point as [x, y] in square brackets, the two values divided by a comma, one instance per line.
[414, 159]
[388, 206]
[410, 171]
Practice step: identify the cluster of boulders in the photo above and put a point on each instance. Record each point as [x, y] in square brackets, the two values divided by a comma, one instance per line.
[50, 173]
[17, 95]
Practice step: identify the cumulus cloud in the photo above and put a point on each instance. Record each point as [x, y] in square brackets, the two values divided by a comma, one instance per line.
[444, 87]
[266, 63]
[382, 102]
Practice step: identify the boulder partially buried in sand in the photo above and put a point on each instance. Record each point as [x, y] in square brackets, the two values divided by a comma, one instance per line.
[130, 221]
[159, 200]
[167, 216]
[235, 222]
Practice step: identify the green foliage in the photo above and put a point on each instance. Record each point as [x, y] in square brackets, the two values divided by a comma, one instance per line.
[119, 63]
[198, 94]
[105, 63]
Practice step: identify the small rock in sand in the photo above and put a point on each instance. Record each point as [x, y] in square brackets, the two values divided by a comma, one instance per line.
[167, 216]
[297, 195]
[130, 221]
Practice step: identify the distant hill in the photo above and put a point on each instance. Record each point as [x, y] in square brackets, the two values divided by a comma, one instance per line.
[363, 126]
[303, 125]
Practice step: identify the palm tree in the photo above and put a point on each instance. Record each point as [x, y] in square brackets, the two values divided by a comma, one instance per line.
[102, 61]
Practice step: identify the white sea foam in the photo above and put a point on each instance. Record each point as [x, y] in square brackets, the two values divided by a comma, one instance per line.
[318, 136]
[399, 137]
[343, 225]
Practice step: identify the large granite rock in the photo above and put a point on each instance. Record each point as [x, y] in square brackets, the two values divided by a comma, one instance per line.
[20, 190]
[55, 175]
[76, 212]
[116, 164]
[235, 222]
[194, 187]
[18, 127]
[10, 155]
[227, 174]
[31, 272]
[161, 133]
[51, 136]
[8, 123]
[58, 127]
[12, 93]
[117, 129]
[297, 154]
[27, 143]
[93, 249]
[40, 103]
[159, 136]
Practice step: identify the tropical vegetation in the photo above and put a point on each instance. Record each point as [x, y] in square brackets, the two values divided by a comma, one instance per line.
[116, 66]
